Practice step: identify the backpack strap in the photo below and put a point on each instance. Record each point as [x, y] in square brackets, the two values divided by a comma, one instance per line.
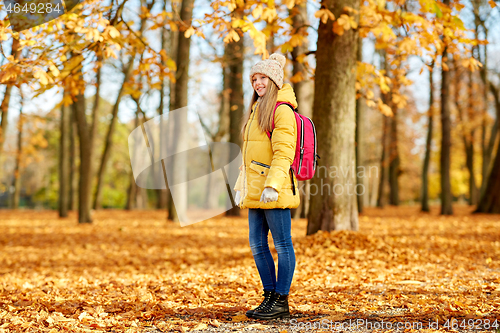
[269, 134]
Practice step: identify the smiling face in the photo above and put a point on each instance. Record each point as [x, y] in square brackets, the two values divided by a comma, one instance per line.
[259, 83]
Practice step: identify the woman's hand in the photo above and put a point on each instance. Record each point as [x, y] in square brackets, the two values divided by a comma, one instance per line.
[237, 198]
[268, 195]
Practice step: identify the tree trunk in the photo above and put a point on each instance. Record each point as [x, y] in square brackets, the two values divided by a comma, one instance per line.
[270, 44]
[467, 133]
[17, 171]
[234, 52]
[335, 106]
[490, 200]
[494, 130]
[484, 126]
[394, 158]
[84, 187]
[428, 145]
[445, 160]
[469, 147]
[72, 164]
[86, 141]
[385, 154]
[304, 92]
[174, 41]
[161, 194]
[223, 127]
[63, 162]
[4, 106]
[393, 152]
[180, 120]
[384, 161]
[4, 109]
[360, 146]
[132, 189]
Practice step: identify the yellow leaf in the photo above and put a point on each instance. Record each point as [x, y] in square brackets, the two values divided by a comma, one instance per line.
[286, 47]
[89, 35]
[231, 36]
[343, 20]
[297, 77]
[353, 23]
[269, 14]
[239, 318]
[231, 6]
[399, 100]
[237, 23]
[54, 70]
[42, 77]
[350, 9]
[337, 28]
[384, 108]
[173, 26]
[330, 15]
[290, 3]
[73, 65]
[113, 32]
[319, 13]
[257, 11]
[189, 32]
[324, 15]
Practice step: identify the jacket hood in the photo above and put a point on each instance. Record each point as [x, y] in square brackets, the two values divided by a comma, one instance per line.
[286, 94]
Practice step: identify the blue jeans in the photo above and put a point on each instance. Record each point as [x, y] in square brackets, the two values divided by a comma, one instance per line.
[279, 221]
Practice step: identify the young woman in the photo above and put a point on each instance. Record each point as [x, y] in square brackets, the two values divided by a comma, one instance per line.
[267, 186]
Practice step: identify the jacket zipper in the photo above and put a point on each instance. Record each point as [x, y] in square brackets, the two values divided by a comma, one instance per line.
[261, 164]
[245, 153]
[315, 155]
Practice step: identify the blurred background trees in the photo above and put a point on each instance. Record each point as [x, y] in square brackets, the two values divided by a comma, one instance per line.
[407, 106]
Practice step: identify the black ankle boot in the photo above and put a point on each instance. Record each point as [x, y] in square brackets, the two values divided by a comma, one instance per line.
[277, 308]
[268, 296]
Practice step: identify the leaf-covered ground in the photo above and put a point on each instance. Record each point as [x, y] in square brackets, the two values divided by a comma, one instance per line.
[133, 271]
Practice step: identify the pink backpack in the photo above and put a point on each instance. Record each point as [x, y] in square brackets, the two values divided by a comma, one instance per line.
[304, 163]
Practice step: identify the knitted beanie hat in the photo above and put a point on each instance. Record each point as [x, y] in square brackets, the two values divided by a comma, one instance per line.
[272, 68]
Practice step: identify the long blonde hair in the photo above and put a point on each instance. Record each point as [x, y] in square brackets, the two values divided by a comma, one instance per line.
[266, 106]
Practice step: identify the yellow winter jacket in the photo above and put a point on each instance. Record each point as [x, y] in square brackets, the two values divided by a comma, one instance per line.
[266, 163]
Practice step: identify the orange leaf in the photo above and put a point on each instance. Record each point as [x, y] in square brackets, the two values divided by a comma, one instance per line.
[337, 28]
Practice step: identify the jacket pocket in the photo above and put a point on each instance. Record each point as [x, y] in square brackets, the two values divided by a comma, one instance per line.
[261, 168]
